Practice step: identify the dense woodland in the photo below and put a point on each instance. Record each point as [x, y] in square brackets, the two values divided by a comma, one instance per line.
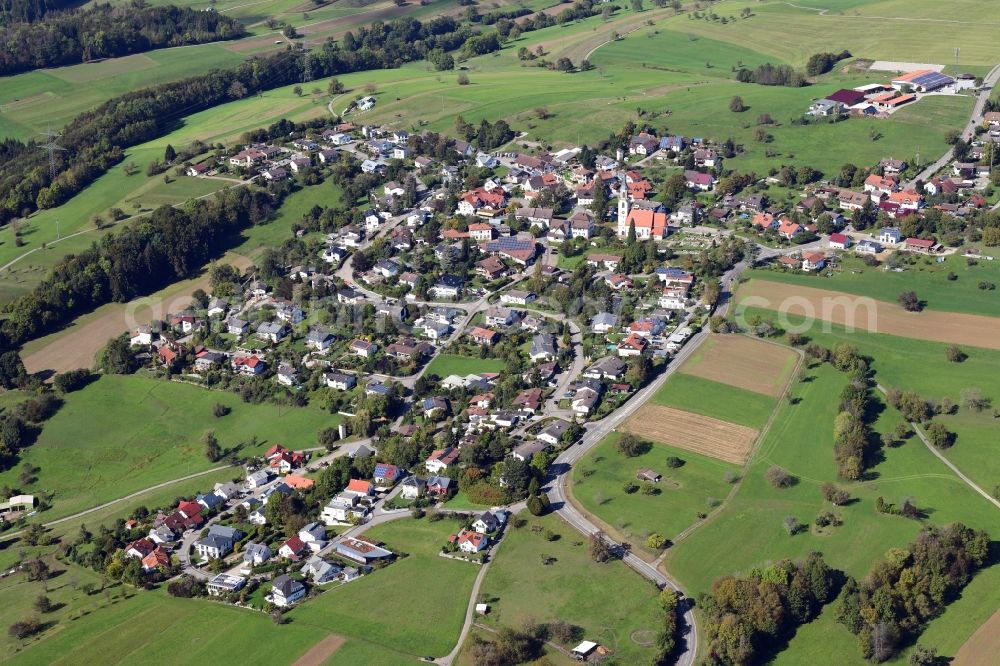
[171, 245]
[96, 140]
[747, 618]
[103, 31]
[909, 587]
[25, 11]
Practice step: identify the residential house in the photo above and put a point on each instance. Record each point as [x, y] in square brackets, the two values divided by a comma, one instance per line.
[439, 485]
[633, 345]
[813, 261]
[224, 583]
[293, 549]
[435, 406]
[386, 475]
[553, 432]
[543, 347]
[607, 367]
[272, 331]
[484, 336]
[470, 542]
[320, 571]
[255, 554]
[285, 591]
[362, 550]
[524, 452]
[363, 348]
[412, 487]
[218, 543]
[440, 460]
[447, 286]
[603, 322]
[889, 236]
[839, 241]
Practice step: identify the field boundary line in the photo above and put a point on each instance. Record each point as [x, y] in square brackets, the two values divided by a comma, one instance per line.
[940, 456]
[751, 458]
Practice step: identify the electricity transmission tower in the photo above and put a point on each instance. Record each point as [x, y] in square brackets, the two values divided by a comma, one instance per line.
[51, 147]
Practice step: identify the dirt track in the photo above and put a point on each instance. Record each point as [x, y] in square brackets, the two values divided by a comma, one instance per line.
[867, 314]
[742, 362]
[693, 432]
[319, 653]
[982, 647]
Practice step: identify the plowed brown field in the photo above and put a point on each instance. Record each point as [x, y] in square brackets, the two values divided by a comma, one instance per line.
[701, 434]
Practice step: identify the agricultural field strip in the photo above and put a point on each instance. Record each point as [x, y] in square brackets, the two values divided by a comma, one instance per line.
[702, 434]
[870, 315]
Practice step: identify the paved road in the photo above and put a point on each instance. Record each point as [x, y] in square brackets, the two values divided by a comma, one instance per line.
[975, 119]
[597, 431]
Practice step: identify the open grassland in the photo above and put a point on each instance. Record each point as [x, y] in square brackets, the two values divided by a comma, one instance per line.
[743, 362]
[191, 631]
[677, 71]
[927, 277]
[715, 400]
[914, 31]
[922, 366]
[123, 434]
[429, 594]
[693, 432]
[444, 365]
[573, 588]
[696, 487]
[77, 345]
[868, 314]
[981, 648]
[801, 441]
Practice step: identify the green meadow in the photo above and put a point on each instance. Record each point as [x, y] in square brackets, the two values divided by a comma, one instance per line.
[429, 594]
[149, 625]
[716, 400]
[801, 441]
[573, 588]
[684, 493]
[122, 434]
[926, 276]
[921, 366]
[444, 365]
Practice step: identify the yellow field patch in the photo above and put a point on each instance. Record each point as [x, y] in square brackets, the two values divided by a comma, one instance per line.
[693, 432]
[319, 653]
[742, 362]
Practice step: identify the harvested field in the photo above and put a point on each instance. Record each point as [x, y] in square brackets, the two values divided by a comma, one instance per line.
[693, 432]
[319, 653]
[77, 345]
[742, 362]
[867, 314]
[982, 646]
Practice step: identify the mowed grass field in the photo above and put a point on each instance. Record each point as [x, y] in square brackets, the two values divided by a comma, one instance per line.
[414, 607]
[801, 441]
[444, 365]
[921, 366]
[122, 434]
[697, 487]
[150, 625]
[715, 400]
[927, 277]
[608, 601]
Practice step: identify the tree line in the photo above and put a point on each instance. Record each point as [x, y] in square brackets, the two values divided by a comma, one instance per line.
[912, 585]
[103, 31]
[25, 11]
[96, 140]
[172, 244]
[768, 74]
[746, 618]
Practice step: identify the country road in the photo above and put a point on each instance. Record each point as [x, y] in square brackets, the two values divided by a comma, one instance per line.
[975, 119]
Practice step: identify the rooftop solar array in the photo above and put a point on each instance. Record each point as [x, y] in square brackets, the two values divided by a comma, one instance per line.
[932, 80]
